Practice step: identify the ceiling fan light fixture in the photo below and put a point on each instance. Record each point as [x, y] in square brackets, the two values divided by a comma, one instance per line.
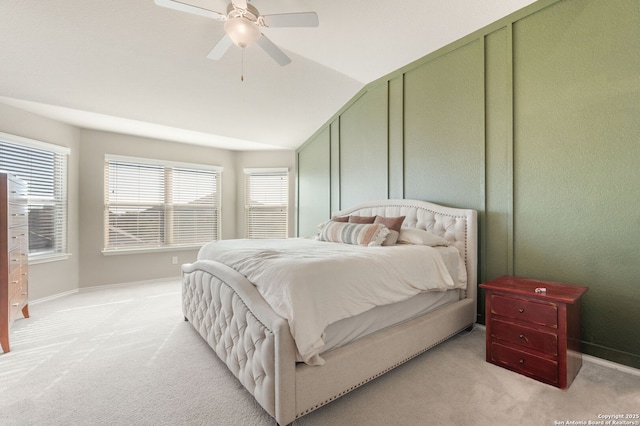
[242, 31]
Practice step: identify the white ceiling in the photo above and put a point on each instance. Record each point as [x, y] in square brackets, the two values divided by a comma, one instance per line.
[132, 67]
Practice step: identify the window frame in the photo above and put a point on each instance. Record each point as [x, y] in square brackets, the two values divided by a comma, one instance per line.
[248, 173]
[61, 203]
[166, 166]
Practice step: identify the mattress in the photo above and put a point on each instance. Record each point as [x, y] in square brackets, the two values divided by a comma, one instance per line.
[348, 330]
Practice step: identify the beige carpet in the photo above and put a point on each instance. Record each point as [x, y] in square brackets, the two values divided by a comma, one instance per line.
[124, 356]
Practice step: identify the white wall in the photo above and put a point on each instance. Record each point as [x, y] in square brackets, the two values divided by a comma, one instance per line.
[46, 279]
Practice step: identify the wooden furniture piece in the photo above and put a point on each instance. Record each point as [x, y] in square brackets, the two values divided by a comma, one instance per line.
[257, 346]
[14, 252]
[533, 328]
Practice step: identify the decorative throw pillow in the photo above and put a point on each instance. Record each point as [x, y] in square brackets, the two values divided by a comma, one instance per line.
[392, 238]
[340, 218]
[393, 223]
[361, 219]
[354, 233]
[421, 237]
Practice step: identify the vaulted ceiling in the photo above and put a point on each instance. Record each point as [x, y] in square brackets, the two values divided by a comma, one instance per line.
[130, 66]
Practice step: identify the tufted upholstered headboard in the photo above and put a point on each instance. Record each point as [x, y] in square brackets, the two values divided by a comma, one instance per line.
[459, 226]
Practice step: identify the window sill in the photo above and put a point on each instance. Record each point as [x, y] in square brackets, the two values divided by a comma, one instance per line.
[46, 258]
[117, 252]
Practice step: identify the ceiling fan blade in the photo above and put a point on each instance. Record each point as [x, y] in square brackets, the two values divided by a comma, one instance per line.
[303, 19]
[184, 7]
[220, 48]
[273, 51]
[240, 4]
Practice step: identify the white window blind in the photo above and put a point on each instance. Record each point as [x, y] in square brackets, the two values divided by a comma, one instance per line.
[156, 204]
[43, 167]
[266, 203]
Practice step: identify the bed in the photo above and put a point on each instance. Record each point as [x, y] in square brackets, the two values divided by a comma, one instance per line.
[255, 341]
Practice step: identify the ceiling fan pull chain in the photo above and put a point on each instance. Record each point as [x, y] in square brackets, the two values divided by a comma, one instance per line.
[242, 66]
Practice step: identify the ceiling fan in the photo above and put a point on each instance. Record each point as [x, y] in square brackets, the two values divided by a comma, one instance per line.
[242, 23]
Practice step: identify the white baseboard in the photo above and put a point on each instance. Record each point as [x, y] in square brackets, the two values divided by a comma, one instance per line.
[100, 287]
[55, 296]
[144, 282]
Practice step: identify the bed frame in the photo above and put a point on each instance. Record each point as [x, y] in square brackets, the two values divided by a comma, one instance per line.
[255, 343]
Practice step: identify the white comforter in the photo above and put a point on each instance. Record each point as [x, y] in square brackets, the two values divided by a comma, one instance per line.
[313, 283]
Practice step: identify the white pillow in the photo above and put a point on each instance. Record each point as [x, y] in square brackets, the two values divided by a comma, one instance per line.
[392, 238]
[421, 237]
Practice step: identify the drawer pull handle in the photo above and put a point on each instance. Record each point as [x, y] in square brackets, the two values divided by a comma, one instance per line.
[15, 304]
[521, 337]
[521, 310]
[521, 361]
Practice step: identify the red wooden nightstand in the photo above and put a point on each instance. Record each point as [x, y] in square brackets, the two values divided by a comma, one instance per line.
[534, 332]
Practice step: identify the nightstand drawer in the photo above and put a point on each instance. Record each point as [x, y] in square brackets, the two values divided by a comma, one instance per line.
[525, 337]
[525, 363]
[540, 313]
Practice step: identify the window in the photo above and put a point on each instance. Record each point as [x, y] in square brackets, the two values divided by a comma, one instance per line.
[44, 167]
[266, 203]
[151, 204]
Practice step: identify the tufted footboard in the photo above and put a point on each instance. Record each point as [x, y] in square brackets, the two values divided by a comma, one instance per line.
[245, 333]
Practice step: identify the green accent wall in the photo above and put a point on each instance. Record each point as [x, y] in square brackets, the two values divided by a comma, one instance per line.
[314, 185]
[363, 161]
[535, 122]
[444, 128]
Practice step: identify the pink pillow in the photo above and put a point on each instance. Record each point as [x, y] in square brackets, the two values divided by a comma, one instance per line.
[361, 219]
[393, 223]
[340, 218]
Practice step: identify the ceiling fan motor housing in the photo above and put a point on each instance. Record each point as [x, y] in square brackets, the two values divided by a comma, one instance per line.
[251, 13]
[242, 25]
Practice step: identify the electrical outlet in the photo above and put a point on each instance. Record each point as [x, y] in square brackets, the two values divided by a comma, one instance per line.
[174, 260]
